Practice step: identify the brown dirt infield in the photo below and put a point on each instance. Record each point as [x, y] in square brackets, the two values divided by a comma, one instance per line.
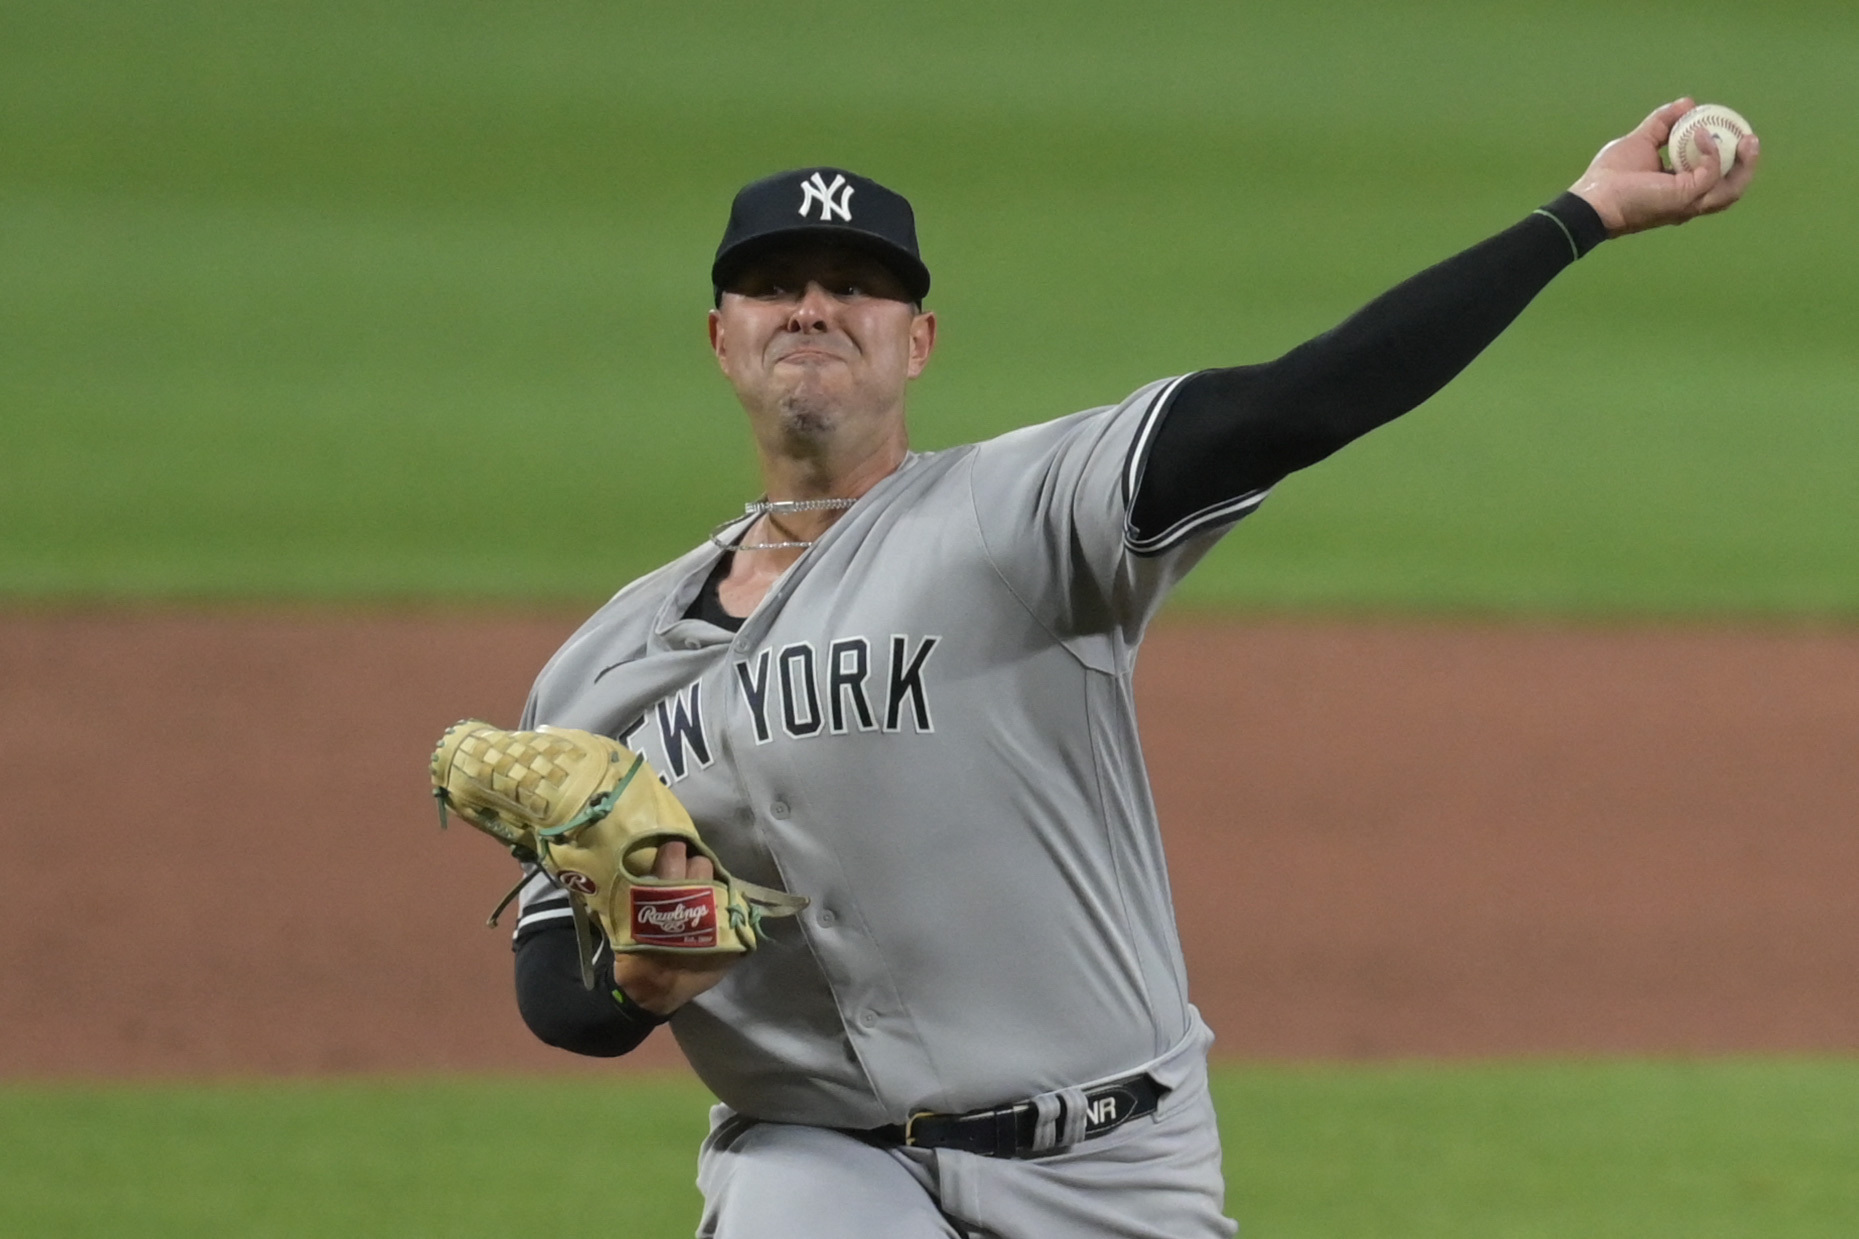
[1396, 839]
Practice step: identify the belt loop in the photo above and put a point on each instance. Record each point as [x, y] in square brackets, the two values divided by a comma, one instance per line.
[1050, 1108]
[1075, 1111]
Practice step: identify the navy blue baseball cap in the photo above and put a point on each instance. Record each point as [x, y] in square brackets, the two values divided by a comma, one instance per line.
[827, 204]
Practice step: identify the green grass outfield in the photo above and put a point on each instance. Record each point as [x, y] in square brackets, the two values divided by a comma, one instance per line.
[1600, 1150]
[326, 299]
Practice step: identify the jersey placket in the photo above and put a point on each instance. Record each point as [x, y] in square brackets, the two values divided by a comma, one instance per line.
[773, 776]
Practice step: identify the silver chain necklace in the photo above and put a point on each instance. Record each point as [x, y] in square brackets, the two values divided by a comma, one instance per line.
[777, 507]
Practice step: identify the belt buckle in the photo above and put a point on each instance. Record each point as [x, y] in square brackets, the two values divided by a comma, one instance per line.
[910, 1125]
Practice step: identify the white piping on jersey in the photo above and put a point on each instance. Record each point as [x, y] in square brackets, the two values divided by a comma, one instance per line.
[1139, 450]
[548, 914]
[1216, 514]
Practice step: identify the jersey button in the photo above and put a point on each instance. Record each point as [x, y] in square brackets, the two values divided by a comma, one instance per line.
[868, 1019]
[779, 808]
[692, 643]
[827, 918]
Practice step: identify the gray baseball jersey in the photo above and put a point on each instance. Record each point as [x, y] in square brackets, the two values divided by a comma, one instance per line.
[928, 728]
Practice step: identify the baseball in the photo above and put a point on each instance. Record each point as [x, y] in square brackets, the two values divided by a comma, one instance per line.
[1725, 128]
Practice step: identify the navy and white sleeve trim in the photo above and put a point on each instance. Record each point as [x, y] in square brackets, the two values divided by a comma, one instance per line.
[542, 903]
[1207, 518]
[1213, 515]
[1145, 437]
[542, 913]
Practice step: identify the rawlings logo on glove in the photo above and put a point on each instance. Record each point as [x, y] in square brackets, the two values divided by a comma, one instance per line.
[593, 814]
[679, 916]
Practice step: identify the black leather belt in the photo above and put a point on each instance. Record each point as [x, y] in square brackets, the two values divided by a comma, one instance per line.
[1011, 1131]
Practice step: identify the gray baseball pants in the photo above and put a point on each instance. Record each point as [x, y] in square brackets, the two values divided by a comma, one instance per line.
[1156, 1177]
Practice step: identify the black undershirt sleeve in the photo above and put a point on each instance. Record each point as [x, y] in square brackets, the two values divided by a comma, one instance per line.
[1227, 434]
[601, 1022]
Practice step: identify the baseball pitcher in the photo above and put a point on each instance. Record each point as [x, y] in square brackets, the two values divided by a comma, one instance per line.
[850, 795]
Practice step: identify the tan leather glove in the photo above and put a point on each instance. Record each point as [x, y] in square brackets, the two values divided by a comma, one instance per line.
[592, 813]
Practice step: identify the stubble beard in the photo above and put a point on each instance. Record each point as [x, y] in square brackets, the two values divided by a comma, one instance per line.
[806, 416]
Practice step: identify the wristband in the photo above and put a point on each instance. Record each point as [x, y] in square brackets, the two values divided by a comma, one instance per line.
[1580, 223]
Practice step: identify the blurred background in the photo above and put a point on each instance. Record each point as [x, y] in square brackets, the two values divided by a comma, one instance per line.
[313, 299]
[349, 353]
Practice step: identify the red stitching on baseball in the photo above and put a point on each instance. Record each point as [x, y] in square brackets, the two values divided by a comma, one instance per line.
[1682, 135]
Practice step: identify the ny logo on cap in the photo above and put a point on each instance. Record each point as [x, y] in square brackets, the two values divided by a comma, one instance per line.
[815, 189]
